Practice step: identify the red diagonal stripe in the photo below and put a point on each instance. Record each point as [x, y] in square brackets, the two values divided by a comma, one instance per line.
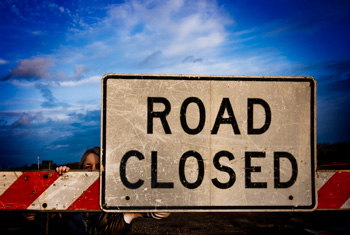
[335, 192]
[26, 189]
[89, 200]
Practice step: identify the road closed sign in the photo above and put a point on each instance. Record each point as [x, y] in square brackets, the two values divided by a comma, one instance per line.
[207, 143]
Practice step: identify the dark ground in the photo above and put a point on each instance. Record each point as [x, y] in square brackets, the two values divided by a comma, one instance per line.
[317, 222]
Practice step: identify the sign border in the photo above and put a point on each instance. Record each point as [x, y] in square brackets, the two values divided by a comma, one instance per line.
[307, 79]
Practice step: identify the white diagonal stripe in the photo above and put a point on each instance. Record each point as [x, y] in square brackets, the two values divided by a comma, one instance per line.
[322, 178]
[346, 205]
[7, 178]
[64, 191]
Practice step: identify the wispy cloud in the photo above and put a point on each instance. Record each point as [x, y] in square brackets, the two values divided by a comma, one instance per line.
[59, 146]
[132, 39]
[26, 119]
[3, 61]
[191, 59]
[49, 100]
[79, 71]
[90, 80]
[185, 37]
[340, 70]
[31, 69]
[151, 58]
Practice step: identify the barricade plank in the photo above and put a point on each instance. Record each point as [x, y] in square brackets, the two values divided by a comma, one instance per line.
[79, 190]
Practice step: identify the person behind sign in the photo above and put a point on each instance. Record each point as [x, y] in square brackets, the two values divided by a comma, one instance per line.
[100, 222]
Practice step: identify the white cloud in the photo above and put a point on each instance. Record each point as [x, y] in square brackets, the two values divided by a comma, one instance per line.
[179, 27]
[55, 147]
[158, 35]
[37, 32]
[61, 9]
[78, 72]
[90, 80]
[155, 37]
[132, 31]
[3, 61]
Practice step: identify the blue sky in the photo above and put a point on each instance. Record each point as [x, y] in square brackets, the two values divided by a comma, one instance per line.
[53, 55]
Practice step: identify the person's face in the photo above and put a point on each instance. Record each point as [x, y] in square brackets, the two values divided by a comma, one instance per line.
[92, 162]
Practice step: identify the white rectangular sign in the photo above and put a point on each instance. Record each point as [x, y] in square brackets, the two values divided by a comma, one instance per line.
[208, 143]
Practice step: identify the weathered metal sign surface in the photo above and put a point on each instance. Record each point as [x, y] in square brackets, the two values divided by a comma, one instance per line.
[208, 143]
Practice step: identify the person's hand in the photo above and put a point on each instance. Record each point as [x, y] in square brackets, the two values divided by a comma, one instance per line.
[62, 169]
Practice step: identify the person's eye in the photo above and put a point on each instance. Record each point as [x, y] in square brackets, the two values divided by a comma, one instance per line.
[87, 167]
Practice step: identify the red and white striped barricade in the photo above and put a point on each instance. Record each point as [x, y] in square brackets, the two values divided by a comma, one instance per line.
[79, 190]
[46, 190]
[333, 189]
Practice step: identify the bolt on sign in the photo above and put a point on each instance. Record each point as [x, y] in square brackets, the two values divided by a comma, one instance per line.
[208, 143]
